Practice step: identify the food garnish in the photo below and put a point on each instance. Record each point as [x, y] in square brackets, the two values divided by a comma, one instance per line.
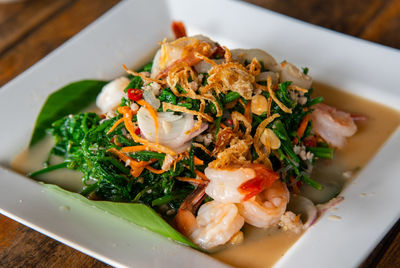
[210, 138]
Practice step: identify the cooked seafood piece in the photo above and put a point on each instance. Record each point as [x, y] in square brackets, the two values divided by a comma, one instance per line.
[333, 125]
[174, 130]
[216, 223]
[111, 94]
[266, 209]
[224, 183]
[183, 49]
[236, 184]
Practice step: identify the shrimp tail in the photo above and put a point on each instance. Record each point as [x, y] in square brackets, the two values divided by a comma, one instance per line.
[185, 220]
[264, 179]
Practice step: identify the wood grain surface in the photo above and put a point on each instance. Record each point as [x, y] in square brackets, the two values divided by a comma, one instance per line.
[29, 30]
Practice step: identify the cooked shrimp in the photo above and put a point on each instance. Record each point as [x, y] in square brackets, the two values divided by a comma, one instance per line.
[111, 94]
[224, 183]
[183, 49]
[216, 223]
[235, 184]
[266, 209]
[332, 124]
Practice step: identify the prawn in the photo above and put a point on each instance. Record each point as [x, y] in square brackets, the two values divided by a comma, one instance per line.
[267, 207]
[260, 197]
[332, 124]
[216, 223]
[236, 184]
[184, 50]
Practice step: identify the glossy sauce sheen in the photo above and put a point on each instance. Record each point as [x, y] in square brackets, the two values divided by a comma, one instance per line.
[263, 248]
[33, 159]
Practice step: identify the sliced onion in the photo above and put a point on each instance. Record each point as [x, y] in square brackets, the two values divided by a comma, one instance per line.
[172, 129]
[264, 76]
[204, 67]
[148, 96]
[268, 61]
[330, 204]
[305, 207]
[292, 73]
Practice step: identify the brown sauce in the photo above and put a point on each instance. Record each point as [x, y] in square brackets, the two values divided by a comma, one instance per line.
[263, 248]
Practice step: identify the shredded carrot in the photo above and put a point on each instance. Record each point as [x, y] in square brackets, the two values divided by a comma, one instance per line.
[116, 124]
[156, 171]
[177, 160]
[132, 149]
[302, 128]
[128, 113]
[201, 175]
[222, 125]
[129, 160]
[153, 114]
[191, 180]
[137, 171]
[283, 63]
[196, 160]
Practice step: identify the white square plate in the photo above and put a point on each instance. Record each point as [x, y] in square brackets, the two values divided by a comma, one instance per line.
[128, 34]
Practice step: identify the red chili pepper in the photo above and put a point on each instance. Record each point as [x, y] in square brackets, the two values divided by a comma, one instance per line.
[229, 122]
[137, 131]
[134, 94]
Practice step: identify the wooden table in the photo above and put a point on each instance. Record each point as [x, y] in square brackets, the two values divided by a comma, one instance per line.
[30, 30]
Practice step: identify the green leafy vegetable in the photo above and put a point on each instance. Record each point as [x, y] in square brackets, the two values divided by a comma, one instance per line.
[138, 214]
[67, 100]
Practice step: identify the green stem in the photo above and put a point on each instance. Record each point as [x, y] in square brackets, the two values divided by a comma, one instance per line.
[311, 182]
[48, 169]
[166, 198]
[231, 96]
[217, 126]
[89, 189]
[321, 152]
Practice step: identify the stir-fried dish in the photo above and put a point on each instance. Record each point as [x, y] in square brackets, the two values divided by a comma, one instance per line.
[209, 137]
